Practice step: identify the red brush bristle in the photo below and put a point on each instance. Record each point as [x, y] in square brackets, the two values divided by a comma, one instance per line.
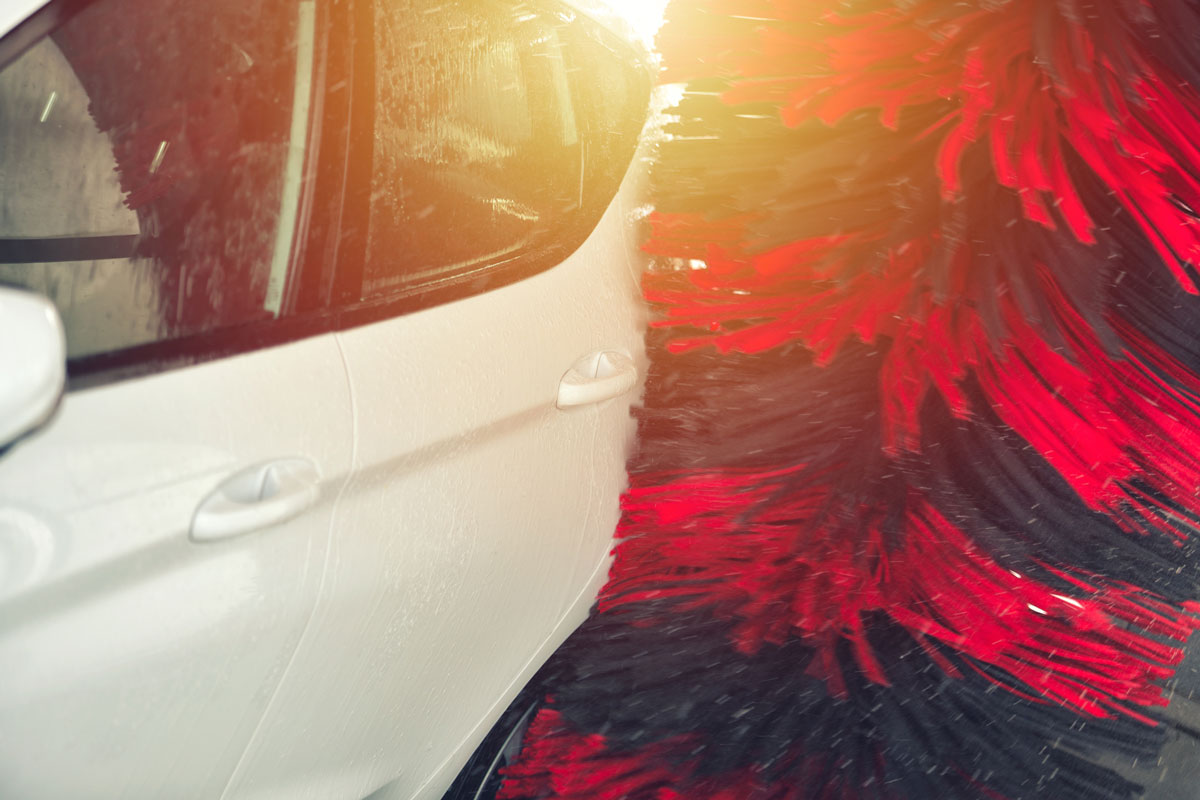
[958, 522]
[805, 565]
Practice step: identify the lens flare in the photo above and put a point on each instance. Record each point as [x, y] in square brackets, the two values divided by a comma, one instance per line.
[642, 18]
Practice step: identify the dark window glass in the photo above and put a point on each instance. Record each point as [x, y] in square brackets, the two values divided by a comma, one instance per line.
[150, 166]
[501, 132]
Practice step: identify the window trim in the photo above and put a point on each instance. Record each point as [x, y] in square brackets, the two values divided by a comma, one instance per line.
[170, 354]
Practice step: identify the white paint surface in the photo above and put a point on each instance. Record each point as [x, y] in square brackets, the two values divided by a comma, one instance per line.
[13, 12]
[137, 663]
[369, 643]
[461, 532]
[32, 374]
[472, 538]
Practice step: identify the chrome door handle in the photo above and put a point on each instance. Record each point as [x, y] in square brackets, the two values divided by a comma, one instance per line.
[255, 498]
[598, 377]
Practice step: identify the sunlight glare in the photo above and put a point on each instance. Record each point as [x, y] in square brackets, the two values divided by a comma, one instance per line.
[644, 17]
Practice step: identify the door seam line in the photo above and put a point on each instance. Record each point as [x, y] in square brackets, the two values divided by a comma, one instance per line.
[322, 581]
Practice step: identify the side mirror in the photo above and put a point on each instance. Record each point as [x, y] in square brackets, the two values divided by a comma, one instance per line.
[33, 358]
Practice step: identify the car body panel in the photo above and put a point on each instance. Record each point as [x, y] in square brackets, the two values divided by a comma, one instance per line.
[460, 530]
[137, 662]
[473, 535]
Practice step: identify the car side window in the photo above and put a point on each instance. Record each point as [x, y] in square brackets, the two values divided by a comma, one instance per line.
[501, 133]
[150, 167]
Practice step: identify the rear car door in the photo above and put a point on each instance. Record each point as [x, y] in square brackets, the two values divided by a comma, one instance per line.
[162, 537]
[492, 334]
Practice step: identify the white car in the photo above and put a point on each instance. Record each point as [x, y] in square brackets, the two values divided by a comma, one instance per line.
[352, 328]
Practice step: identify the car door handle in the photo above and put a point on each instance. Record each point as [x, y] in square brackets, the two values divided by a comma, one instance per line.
[256, 498]
[595, 378]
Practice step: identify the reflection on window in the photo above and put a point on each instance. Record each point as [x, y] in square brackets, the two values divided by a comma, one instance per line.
[149, 166]
[478, 150]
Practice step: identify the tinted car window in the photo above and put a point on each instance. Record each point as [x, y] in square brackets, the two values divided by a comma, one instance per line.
[149, 166]
[501, 133]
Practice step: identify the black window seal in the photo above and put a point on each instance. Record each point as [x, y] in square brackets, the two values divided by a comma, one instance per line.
[48, 249]
[154, 358]
[323, 202]
[360, 154]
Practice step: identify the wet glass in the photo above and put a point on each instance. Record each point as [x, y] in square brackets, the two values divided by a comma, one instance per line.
[478, 148]
[501, 133]
[149, 166]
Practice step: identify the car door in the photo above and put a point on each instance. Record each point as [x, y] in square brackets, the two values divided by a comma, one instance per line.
[163, 535]
[492, 338]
